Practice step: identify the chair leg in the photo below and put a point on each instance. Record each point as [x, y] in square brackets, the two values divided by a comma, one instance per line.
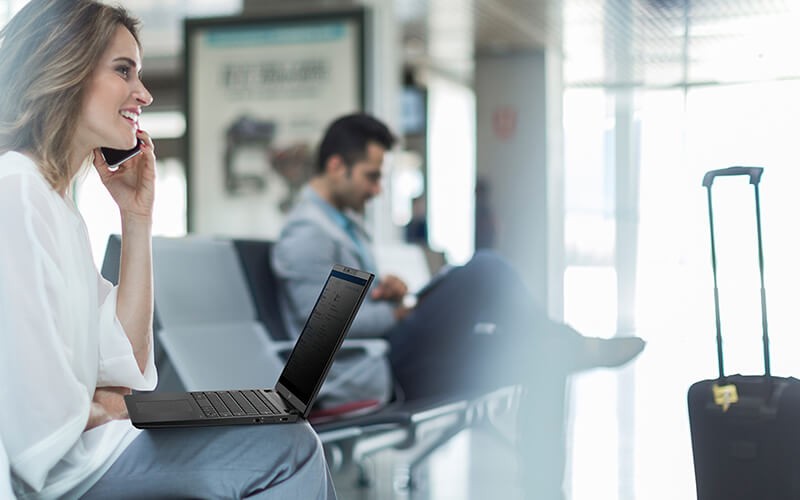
[362, 478]
[407, 482]
[481, 414]
[367, 446]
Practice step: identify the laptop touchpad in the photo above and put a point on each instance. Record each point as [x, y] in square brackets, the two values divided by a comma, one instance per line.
[165, 409]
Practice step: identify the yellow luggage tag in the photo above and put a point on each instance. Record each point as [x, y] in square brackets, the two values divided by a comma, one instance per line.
[725, 395]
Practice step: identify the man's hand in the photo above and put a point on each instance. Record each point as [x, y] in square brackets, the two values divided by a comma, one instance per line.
[107, 404]
[401, 312]
[390, 288]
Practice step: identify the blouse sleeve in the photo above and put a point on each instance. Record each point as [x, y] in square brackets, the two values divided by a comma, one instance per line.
[117, 366]
[45, 405]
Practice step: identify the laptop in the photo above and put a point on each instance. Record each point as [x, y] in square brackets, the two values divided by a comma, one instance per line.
[298, 385]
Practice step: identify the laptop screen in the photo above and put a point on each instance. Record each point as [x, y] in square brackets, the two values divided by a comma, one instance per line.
[324, 331]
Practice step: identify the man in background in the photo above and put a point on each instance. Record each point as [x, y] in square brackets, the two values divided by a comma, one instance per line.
[476, 329]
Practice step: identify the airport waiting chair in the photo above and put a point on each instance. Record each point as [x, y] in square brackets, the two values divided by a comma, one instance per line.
[218, 325]
[401, 423]
[208, 332]
[341, 435]
[204, 317]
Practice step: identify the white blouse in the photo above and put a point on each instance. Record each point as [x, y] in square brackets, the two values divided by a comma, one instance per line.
[59, 339]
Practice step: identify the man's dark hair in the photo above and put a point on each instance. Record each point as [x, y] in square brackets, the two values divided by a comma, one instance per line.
[348, 137]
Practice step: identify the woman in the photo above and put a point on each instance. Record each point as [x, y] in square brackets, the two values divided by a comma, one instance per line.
[71, 345]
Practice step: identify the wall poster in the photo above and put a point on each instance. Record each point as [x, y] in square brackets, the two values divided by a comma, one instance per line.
[259, 93]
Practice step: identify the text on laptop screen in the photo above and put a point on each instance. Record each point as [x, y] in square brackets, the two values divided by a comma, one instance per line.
[319, 338]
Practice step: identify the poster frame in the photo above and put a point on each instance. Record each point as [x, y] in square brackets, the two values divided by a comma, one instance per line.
[358, 16]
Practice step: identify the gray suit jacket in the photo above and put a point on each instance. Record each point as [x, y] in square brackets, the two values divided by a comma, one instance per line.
[310, 243]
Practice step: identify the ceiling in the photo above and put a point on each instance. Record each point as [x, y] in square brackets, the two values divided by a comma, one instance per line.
[612, 43]
[680, 42]
[615, 43]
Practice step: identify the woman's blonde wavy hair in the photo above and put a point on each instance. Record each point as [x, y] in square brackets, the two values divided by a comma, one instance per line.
[48, 52]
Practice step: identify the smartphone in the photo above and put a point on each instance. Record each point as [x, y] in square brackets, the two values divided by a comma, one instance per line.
[114, 157]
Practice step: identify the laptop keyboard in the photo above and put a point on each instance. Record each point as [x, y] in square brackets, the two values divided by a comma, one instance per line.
[234, 403]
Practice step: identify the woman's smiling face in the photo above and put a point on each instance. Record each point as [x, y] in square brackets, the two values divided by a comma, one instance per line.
[113, 98]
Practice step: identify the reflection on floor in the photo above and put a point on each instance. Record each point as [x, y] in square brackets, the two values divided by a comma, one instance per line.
[628, 440]
[473, 465]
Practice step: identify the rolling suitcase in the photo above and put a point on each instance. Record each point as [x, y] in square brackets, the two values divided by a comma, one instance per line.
[745, 428]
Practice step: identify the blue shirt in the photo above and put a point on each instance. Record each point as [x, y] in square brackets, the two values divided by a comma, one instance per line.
[350, 227]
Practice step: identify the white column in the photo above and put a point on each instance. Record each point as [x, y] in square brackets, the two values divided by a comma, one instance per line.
[451, 168]
[519, 151]
[383, 74]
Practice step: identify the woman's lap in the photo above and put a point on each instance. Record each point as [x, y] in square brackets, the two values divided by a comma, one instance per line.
[271, 461]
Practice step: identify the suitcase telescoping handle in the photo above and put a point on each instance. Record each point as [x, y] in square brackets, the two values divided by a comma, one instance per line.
[753, 172]
[755, 177]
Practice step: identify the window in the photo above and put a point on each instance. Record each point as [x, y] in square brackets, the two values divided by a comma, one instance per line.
[679, 137]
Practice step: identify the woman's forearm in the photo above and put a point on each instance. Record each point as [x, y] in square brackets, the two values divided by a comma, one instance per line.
[135, 293]
[108, 403]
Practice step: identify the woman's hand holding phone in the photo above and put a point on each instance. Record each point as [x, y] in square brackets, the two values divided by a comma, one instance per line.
[132, 183]
[115, 157]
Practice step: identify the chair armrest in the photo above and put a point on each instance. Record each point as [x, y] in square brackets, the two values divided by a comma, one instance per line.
[371, 347]
[283, 347]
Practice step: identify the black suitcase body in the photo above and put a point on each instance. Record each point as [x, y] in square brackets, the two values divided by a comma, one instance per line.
[745, 428]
